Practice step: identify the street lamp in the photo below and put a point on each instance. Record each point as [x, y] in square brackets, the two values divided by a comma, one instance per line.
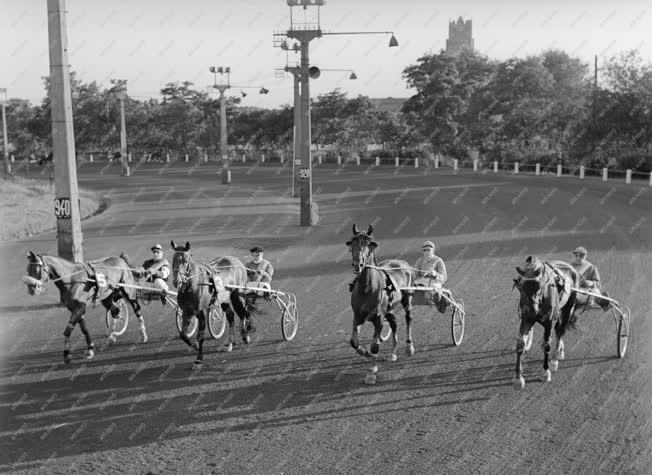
[222, 70]
[3, 102]
[304, 34]
[120, 88]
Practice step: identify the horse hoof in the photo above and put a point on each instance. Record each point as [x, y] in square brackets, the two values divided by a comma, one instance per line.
[196, 366]
[409, 350]
[554, 365]
[111, 339]
[374, 369]
[519, 383]
[228, 347]
[374, 348]
[546, 376]
[370, 379]
[562, 355]
[90, 354]
[246, 339]
[392, 357]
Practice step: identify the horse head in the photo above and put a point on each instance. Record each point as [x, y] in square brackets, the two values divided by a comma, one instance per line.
[362, 248]
[37, 274]
[180, 262]
[531, 286]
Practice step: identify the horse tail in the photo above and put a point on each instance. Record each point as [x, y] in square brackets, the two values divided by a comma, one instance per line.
[573, 316]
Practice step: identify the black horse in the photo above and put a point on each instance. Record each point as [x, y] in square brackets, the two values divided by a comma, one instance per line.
[202, 285]
[374, 294]
[78, 284]
[546, 298]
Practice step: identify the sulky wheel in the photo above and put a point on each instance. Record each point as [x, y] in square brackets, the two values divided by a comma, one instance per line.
[623, 332]
[216, 322]
[192, 328]
[457, 324]
[289, 321]
[118, 325]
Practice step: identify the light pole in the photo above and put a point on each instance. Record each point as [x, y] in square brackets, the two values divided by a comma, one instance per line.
[304, 34]
[222, 70]
[120, 86]
[3, 102]
[66, 202]
[296, 73]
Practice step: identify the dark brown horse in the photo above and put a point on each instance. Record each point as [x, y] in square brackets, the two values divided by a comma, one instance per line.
[202, 285]
[78, 284]
[546, 298]
[374, 294]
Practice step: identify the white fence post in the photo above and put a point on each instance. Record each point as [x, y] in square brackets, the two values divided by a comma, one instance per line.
[515, 168]
[357, 160]
[436, 162]
[129, 157]
[262, 158]
[628, 176]
[167, 158]
[319, 159]
[475, 165]
[186, 158]
[396, 162]
[455, 164]
[377, 161]
[559, 170]
[495, 166]
[581, 172]
[416, 162]
[605, 174]
[339, 159]
[13, 159]
[650, 178]
[205, 158]
[537, 169]
[244, 157]
[90, 158]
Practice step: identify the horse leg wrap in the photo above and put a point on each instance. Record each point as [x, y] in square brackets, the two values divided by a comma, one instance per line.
[520, 345]
[68, 330]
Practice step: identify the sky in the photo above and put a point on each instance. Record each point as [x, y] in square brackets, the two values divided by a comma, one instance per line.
[153, 42]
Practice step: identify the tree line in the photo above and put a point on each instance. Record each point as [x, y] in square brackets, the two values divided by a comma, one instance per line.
[544, 108]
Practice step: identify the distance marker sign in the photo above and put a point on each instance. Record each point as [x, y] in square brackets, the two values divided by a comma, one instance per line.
[62, 208]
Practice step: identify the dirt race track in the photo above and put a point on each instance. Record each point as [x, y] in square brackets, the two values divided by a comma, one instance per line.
[299, 407]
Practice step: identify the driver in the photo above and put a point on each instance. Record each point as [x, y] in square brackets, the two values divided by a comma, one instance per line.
[431, 272]
[156, 271]
[589, 277]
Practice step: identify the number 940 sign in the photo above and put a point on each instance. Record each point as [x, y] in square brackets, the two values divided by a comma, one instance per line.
[62, 208]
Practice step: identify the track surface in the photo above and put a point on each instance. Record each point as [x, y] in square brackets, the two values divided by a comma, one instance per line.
[278, 407]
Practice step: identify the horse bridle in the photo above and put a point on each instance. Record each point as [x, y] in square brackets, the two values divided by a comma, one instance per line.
[363, 257]
[184, 273]
[40, 263]
[539, 295]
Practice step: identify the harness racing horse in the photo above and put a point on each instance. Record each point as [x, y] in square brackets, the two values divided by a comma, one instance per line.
[78, 282]
[374, 294]
[202, 285]
[546, 298]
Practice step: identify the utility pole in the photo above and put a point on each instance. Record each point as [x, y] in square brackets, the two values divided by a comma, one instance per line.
[223, 88]
[66, 203]
[3, 102]
[304, 34]
[120, 87]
